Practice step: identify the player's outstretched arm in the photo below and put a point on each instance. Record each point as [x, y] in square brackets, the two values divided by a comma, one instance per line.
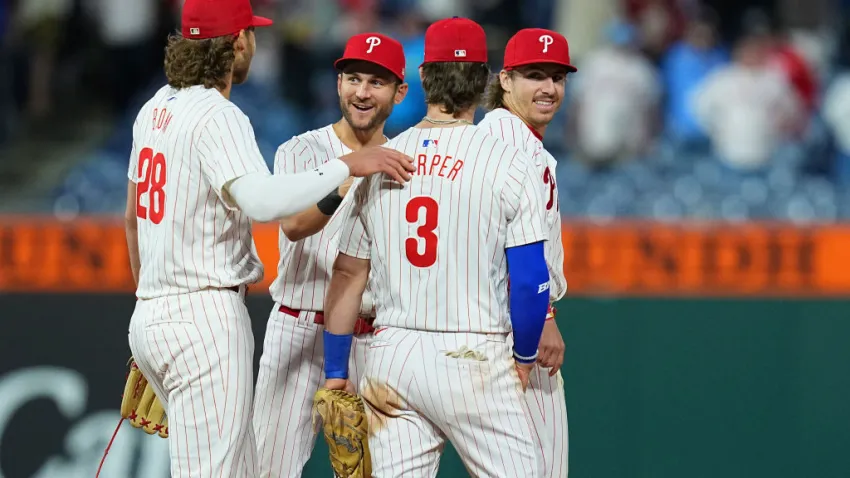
[529, 301]
[314, 219]
[361, 163]
[342, 305]
[378, 159]
[131, 228]
[264, 197]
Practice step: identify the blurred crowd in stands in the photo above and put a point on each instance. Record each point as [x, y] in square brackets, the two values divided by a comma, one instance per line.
[680, 109]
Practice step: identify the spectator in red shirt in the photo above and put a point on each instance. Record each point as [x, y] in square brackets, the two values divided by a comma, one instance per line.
[785, 57]
[797, 70]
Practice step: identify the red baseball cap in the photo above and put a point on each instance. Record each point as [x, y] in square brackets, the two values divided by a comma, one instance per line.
[375, 48]
[454, 40]
[537, 45]
[216, 18]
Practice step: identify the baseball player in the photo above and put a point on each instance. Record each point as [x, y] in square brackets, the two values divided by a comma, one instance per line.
[197, 180]
[370, 83]
[442, 364]
[522, 100]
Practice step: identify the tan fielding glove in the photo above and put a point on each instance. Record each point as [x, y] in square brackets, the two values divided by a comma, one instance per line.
[141, 406]
[346, 432]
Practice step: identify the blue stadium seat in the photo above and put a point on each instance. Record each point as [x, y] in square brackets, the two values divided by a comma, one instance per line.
[669, 184]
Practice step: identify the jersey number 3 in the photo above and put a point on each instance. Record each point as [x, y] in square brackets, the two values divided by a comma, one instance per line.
[152, 166]
[425, 232]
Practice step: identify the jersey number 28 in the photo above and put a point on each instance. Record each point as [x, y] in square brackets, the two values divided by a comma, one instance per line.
[152, 166]
[425, 232]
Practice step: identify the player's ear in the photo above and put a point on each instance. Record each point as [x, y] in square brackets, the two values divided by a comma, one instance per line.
[339, 84]
[400, 93]
[505, 80]
[241, 41]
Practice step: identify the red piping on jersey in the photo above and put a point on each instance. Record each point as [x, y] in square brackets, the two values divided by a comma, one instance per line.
[533, 131]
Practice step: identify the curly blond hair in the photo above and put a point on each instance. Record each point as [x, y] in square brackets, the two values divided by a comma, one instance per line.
[199, 62]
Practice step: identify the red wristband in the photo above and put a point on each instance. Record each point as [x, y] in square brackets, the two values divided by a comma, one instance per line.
[550, 314]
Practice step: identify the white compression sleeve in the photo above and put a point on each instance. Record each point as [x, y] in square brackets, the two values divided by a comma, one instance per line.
[265, 197]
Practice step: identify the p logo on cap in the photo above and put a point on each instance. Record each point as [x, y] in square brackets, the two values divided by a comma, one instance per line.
[372, 42]
[364, 47]
[546, 40]
[537, 45]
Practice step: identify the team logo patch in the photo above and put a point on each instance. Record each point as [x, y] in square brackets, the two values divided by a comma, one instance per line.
[429, 142]
[460, 53]
[372, 42]
[195, 31]
[546, 40]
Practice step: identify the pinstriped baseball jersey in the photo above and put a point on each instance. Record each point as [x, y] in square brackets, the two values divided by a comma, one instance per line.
[510, 128]
[437, 244]
[305, 266]
[187, 144]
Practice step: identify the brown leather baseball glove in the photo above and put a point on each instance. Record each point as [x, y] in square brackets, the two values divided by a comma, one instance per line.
[346, 432]
[141, 406]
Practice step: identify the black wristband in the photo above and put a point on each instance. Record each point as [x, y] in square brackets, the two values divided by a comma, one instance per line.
[329, 204]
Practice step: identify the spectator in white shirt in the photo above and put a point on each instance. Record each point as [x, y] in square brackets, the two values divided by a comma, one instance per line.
[128, 30]
[616, 98]
[836, 114]
[748, 108]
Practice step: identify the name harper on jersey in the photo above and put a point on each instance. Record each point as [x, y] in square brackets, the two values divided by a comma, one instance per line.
[426, 165]
[161, 119]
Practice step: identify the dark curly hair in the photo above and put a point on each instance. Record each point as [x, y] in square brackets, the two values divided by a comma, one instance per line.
[199, 62]
[457, 86]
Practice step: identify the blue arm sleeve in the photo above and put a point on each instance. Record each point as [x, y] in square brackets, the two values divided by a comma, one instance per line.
[529, 296]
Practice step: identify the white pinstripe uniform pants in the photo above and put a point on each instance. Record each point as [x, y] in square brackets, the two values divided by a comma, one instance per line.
[197, 350]
[291, 371]
[417, 397]
[546, 402]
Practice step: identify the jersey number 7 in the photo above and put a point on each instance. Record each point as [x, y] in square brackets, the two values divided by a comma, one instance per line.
[549, 180]
[152, 181]
[425, 232]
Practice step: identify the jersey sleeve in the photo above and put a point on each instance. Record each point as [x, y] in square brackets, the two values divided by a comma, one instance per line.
[133, 169]
[354, 237]
[228, 150]
[552, 222]
[514, 132]
[555, 261]
[522, 202]
[292, 157]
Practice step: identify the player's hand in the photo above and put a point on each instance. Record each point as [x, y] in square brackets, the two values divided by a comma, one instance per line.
[377, 159]
[551, 350]
[340, 384]
[344, 187]
[524, 372]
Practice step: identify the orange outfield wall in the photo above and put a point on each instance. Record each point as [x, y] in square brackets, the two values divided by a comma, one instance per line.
[622, 258]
